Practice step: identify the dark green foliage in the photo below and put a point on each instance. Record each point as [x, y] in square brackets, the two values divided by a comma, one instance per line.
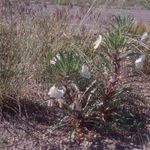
[115, 40]
[65, 64]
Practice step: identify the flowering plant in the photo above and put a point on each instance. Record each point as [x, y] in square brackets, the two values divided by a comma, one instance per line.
[103, 99]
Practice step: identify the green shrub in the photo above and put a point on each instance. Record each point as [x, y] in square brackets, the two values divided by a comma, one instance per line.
[99, 105]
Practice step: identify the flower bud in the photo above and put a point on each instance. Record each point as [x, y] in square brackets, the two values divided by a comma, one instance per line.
[144, 36]
[98, 42]
[139, 63]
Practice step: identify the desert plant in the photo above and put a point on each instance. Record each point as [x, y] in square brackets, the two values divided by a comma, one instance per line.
[115, 40]
[99, 104]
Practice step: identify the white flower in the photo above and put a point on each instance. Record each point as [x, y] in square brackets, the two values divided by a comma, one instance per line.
[54, 92]
[98, 42]
[144, 36]
[139, 63]
[54, 60]
[85, 72]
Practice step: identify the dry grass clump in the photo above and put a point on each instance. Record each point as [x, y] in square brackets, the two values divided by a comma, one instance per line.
[27, 45]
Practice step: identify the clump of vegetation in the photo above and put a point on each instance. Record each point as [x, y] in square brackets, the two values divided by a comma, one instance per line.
[85, 77]
[105, 103]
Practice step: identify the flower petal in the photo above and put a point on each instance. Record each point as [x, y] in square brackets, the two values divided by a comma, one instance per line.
[144, 36]
[85, 72]
[139, 63]
[98, 42]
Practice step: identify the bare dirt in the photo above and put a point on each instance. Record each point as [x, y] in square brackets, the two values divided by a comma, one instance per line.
[29, 130]
[136, 12]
